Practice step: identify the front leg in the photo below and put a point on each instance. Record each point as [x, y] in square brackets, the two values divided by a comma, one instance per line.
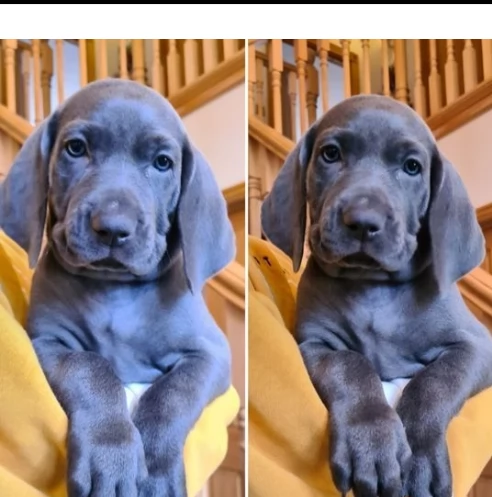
[168, 411]
[369, 451]
[429, 402]
[105, 452]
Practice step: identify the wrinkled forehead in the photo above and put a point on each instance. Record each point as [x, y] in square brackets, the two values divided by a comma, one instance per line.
[126, 112]
[377, 121]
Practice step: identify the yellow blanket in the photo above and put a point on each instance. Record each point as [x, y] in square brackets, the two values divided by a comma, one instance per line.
[32, 423]
[288, 441]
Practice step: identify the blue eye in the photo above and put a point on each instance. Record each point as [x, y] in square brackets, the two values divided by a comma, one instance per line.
[412, 167]
[76, 148]
[162, 162]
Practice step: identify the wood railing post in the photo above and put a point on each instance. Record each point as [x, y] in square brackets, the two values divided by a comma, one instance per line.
[301, 55]
[190, 61]
[366, 66]
[292, 89]
[275, 59]
[451, 73]
[102, 47]
[251, 78]
[138, 59]
[156, 66]
[230, 48]
[173, 69]
[469, 66]
[385, 67]
[312, 92]
[487, 59]
[83, 62]
[210, 55]
[123, 59]
[419, 89]
[401, 88]
[60, 71]
[260, 100]
[46, 75]
[254, 194]
[26, 83]
[347, 89]
[323, 48]
[9, 48]
[38, 97]
[435, 101]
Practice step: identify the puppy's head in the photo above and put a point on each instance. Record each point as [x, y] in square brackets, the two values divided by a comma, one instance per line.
[125, 189]
[383, 202]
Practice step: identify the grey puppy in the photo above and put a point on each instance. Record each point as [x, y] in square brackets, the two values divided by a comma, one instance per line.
[392, 230]
[136, 224]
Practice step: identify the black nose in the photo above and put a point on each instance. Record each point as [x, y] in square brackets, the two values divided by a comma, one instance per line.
[364, 217]
[113, 224]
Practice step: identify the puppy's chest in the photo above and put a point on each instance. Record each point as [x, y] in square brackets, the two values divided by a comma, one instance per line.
[133, 334]
[381, 328]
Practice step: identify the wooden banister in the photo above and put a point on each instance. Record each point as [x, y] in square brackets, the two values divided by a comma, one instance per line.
[477, 288]
[14, 125]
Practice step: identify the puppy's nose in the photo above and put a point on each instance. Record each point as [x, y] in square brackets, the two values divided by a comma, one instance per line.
[364, 218]
[113, 224]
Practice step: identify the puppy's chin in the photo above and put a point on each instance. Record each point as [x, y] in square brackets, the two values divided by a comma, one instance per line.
[105, 262]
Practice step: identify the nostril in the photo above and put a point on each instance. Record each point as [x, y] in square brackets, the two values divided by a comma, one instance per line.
[372, 229]
[122, 235]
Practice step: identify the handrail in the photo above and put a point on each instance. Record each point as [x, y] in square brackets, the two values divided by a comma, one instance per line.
[209, 86]
[269, 138]
[230, 283]
[14, 125]
[477, 288]
[484, 216]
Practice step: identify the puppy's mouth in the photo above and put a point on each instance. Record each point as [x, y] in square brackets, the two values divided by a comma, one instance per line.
[359, 260]
[108, 264]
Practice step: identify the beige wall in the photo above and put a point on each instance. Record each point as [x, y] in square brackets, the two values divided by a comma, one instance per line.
[469, 148]
[218, 129]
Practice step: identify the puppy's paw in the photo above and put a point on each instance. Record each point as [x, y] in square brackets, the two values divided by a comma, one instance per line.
[170, 482]
[105, 458]
[369, 452]
[430, 471]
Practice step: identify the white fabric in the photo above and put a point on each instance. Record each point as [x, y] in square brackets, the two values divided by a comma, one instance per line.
[393, 390]
[133, 393]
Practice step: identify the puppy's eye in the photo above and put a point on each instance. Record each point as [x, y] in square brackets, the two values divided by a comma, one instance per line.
[162, 162]
[330, 153]
[75, 148]
[412, 167]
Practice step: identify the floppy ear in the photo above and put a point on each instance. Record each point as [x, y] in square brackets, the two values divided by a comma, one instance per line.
[24, 192]
[207, 237]
[283, 211]
[457, 241]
